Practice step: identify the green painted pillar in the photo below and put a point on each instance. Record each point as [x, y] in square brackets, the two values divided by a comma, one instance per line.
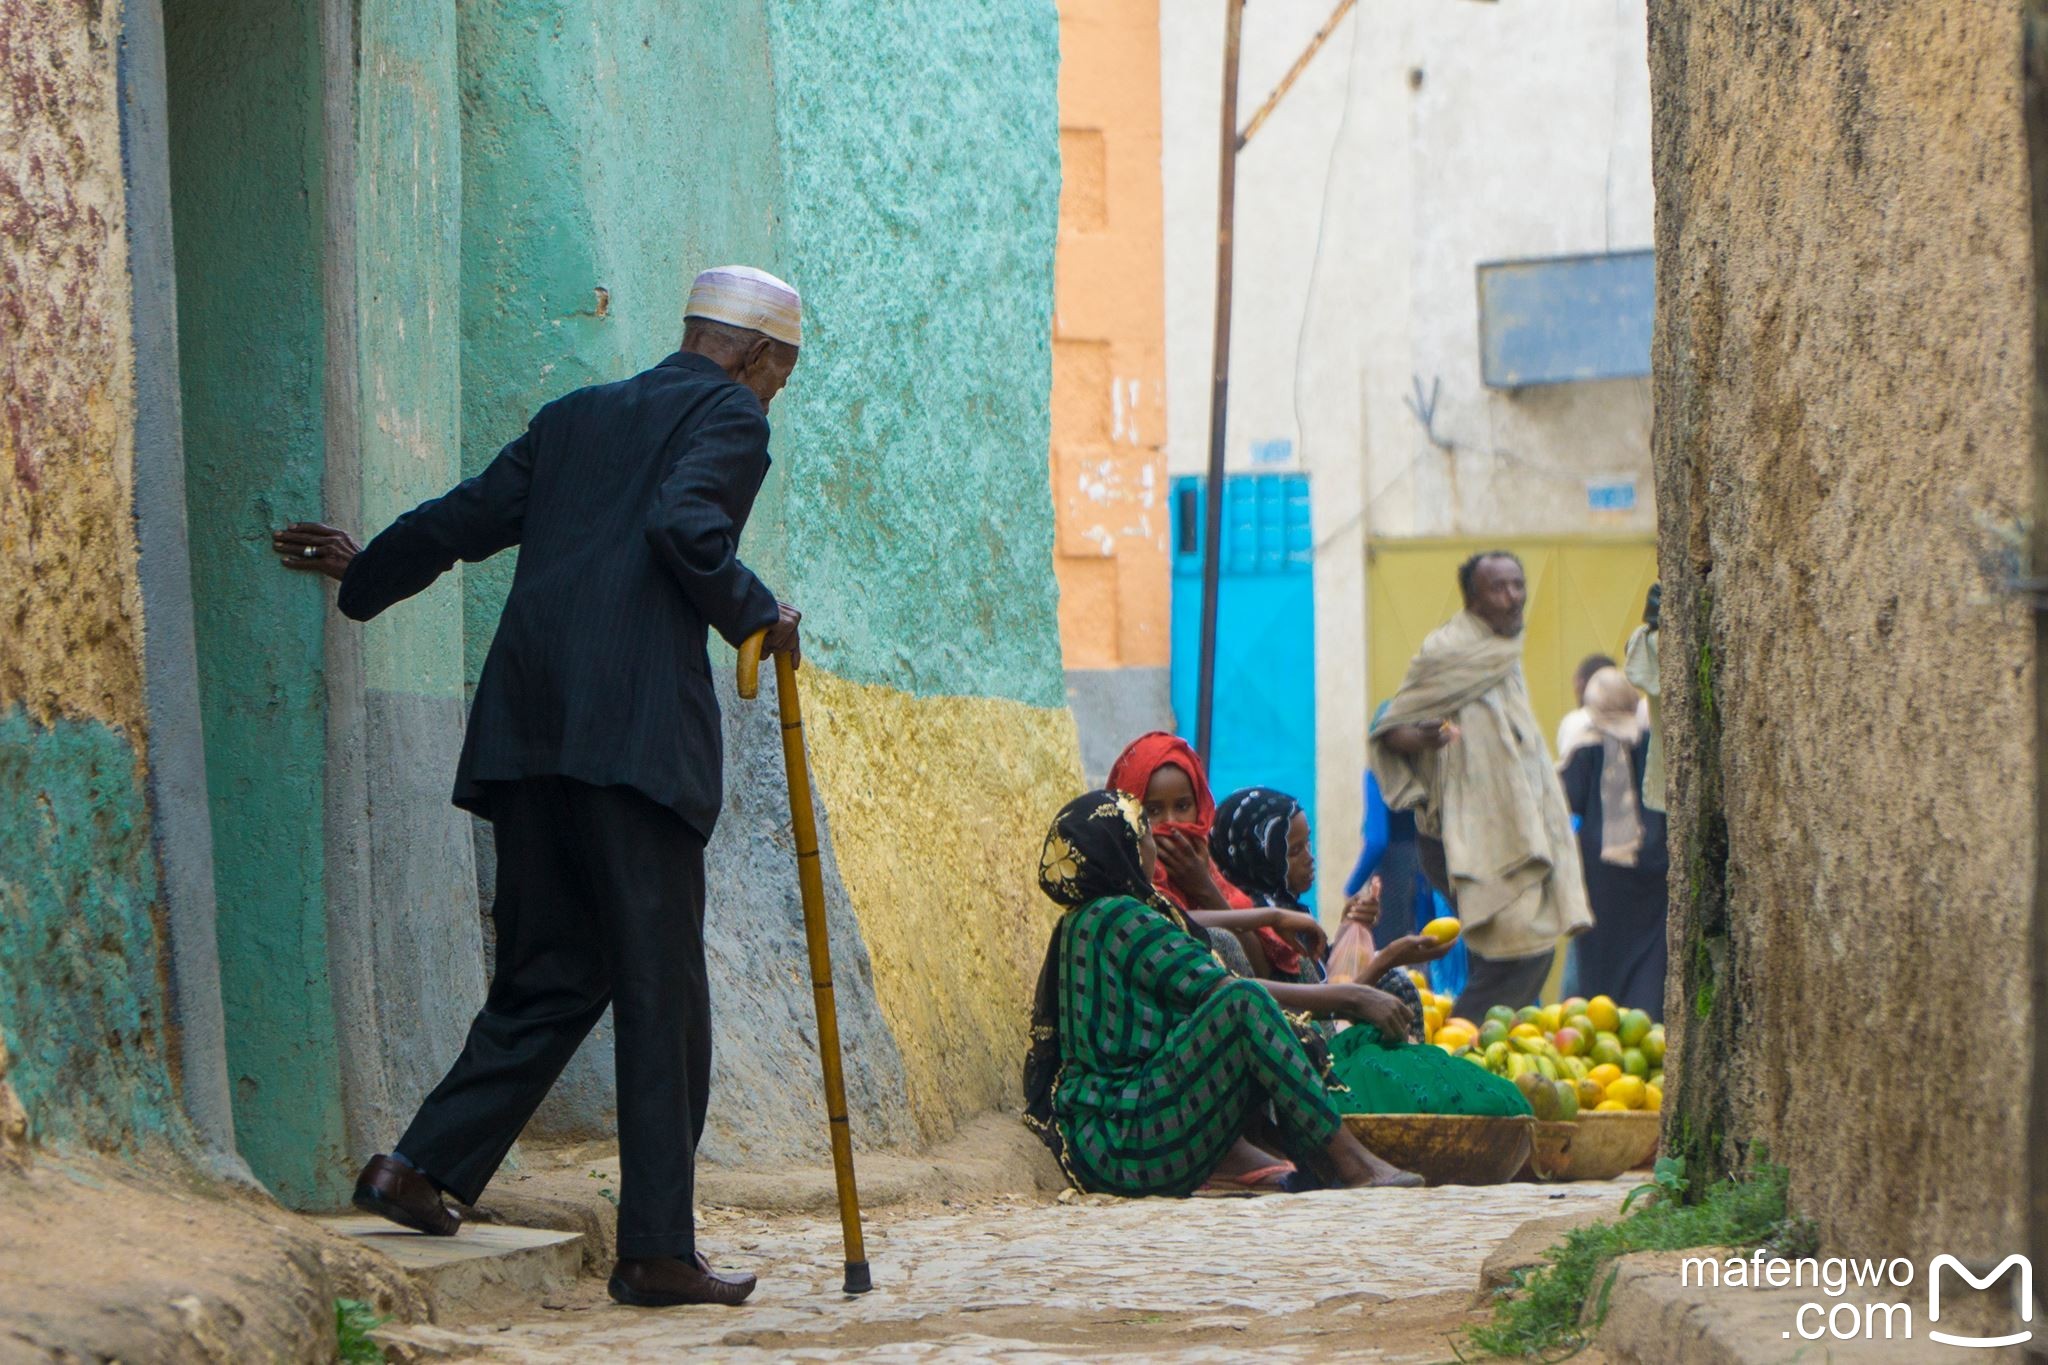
[316, 191]
[406, 944]
[249, 204]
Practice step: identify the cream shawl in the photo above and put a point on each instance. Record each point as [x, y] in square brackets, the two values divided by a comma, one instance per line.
[1491, 796]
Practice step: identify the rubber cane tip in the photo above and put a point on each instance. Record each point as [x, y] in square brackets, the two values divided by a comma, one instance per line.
[857, 1281]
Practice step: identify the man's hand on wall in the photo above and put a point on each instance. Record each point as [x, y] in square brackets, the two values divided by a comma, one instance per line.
[313, 547]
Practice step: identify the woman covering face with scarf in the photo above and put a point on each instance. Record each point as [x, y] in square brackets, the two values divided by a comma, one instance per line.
[1147, 1056]
[1163, 772]
[1261, 842]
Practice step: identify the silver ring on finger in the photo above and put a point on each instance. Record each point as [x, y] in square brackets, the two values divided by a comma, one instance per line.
[309, 553]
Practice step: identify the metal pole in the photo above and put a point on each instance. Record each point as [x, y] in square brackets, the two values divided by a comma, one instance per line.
[1315, 45]
[1219, 393]
[2034, 65]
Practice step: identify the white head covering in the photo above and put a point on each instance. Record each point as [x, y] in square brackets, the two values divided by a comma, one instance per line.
[742, 296]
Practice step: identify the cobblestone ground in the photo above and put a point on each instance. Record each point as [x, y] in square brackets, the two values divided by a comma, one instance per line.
[1378, 1275]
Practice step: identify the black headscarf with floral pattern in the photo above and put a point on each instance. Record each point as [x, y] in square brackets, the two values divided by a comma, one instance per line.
[1091, 853]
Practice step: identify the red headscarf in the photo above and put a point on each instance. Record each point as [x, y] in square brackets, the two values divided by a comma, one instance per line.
[1132, 772]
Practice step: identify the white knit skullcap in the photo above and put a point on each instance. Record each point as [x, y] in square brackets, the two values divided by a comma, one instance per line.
[742, 296]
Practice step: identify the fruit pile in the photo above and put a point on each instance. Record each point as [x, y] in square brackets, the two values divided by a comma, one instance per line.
[1578, 1055]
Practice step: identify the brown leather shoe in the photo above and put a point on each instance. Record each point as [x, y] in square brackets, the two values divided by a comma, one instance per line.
[396, 1191]
[670, 1282]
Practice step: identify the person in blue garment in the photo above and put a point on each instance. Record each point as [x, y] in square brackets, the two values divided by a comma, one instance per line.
[1406, 900]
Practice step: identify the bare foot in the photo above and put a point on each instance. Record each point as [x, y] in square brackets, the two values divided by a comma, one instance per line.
[1358, 1168]
[1242, 1159]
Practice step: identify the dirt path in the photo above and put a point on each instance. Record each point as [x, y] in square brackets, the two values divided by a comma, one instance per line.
[1371, 1275]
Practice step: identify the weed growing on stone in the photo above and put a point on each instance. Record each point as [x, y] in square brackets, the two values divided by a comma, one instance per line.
[1542, 1315]
[354, 1320]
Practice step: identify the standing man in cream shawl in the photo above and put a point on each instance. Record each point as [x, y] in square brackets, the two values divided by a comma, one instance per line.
[1459, 746]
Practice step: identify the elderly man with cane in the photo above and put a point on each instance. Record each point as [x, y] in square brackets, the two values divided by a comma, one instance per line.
[594, 751]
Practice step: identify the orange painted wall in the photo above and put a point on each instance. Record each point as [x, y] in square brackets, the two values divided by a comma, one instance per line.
[1109, 341]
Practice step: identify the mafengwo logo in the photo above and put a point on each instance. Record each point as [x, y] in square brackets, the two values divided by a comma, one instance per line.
[2023, 1298]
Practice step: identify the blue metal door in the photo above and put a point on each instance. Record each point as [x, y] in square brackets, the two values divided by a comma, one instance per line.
[1265, 719]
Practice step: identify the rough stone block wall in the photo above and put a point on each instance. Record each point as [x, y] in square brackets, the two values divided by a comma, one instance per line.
[1842, 381]
[82, 968]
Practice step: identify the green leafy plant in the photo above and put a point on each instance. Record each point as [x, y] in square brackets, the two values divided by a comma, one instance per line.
[354, 1320]
[1540, 1314]
[1667, 1181]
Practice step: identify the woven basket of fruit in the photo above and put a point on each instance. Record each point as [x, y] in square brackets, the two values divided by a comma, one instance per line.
[1449, 1149]
[1609, 1142]
[1550, 1150]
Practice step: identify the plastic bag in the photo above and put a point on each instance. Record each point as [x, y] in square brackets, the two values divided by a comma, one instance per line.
[1351, 954]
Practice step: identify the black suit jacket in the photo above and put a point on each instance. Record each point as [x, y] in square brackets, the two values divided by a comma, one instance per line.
[627, 501]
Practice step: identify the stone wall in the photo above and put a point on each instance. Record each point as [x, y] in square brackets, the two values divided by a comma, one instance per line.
[83, 966]
[400, 227]
[1842, 392]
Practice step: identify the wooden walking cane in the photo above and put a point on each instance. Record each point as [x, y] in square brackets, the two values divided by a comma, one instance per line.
[811, 881]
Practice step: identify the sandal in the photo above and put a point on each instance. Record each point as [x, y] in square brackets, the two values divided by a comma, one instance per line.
[1265, 1180]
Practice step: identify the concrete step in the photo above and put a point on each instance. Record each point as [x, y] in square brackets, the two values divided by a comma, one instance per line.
[486, 1268]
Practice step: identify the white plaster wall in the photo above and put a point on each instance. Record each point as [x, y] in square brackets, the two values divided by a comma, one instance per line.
[1427, 136]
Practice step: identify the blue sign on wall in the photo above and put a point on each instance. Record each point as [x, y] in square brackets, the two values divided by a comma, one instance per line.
[1566, 318]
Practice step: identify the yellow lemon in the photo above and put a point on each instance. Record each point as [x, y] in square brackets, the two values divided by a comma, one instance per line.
[1444, 928]
[1610, 1107]
[1606, 1074]
[1653, 1097]
[1604, 1013]
[1418, 980]
[1432, 1020]
[1629, 1090]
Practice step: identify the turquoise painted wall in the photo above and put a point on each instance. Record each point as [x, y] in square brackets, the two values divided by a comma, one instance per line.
[248, 205]
[920, 167]
[408, 271]
[605, 144]
[82, 998]
[916, 208]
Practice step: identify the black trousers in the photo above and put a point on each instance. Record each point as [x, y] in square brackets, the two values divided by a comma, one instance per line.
[600, 902]
[1490, 981]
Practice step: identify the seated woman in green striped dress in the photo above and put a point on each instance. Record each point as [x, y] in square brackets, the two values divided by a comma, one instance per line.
[1147, 1056]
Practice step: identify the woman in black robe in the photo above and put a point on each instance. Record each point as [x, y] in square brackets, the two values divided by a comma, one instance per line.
[1621, 843]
